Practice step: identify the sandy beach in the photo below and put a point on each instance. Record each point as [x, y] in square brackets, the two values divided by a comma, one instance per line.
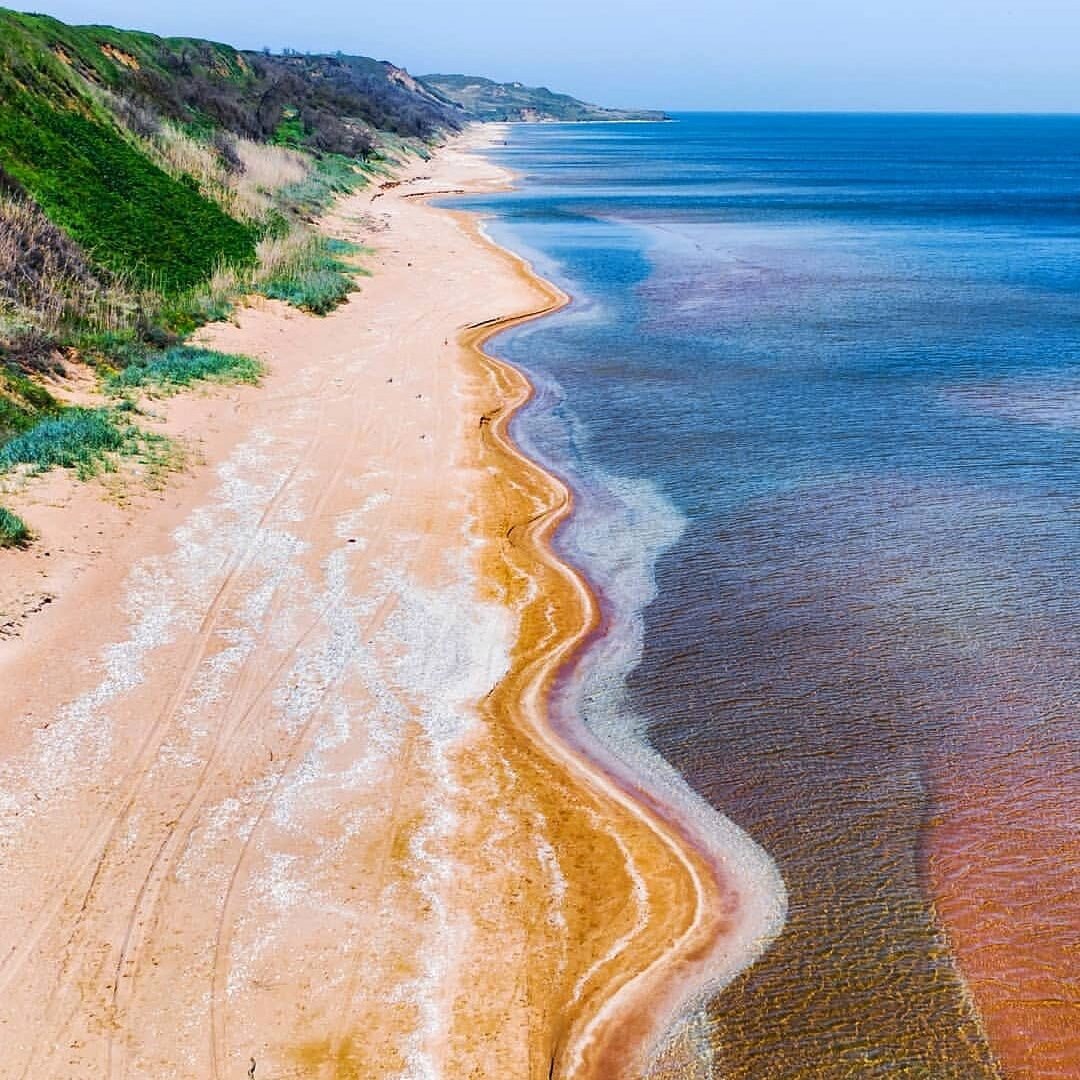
[278, 792]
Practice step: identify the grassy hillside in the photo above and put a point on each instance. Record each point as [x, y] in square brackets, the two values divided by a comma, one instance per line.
[145, 184]
[167, 164]
[484, 99]
[61, 146]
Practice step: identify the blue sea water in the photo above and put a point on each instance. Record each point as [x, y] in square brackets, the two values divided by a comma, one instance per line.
[819, 392]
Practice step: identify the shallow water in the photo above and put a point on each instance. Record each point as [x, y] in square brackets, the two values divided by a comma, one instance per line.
[820, 393]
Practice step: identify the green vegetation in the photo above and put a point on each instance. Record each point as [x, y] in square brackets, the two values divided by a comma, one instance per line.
[23, 403]
[14, 532]
[140, 177]
[60, 145]
[330, 176]
[324, 104]
[183, 365]
[146, 183]
[312, 275]
[133, 218]
[79, 439]
[290, 131]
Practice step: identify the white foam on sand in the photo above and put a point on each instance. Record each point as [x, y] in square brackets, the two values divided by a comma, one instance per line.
[619, 530]
[163, 596]
[451, 649]
[627, 527]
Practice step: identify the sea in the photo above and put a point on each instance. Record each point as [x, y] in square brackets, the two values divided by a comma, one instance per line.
[818, 396]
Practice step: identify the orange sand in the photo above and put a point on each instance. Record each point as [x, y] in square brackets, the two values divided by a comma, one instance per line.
[278, 796]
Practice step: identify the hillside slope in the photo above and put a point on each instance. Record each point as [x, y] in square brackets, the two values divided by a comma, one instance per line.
[163, 160]
[484, 99]
[146, 184]
[60, 144]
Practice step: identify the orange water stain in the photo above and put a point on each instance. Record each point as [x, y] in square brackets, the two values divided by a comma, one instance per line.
[1004, 865]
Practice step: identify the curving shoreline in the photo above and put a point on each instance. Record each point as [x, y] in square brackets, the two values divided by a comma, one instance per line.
[293, 791]
[632, 1008]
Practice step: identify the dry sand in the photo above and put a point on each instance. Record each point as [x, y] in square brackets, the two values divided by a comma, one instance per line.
[278, 797]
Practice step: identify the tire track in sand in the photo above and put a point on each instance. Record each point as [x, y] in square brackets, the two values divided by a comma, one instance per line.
[180, 831]
[96, 852]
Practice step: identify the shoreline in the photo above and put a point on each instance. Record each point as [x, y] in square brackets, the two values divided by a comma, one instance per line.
[586, 753]
[293, 791]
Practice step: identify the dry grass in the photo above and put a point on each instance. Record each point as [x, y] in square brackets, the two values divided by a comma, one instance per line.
[239, 174]
[181, 155]
[281, 254]
[242, 181]
[268, 168]
[46, 284]
[50, 291]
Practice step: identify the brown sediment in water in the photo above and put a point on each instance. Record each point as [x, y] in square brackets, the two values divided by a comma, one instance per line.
[1002, 856]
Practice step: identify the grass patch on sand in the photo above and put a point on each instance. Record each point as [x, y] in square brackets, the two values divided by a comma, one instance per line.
[182, 365]
[330, 175]
[309, 272]
[14, 532]
[81, 439]
[23, 403]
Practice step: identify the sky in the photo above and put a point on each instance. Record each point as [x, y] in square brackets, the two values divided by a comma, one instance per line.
[922, 55]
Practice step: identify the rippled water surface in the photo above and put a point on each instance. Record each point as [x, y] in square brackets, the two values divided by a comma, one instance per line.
[838, 359]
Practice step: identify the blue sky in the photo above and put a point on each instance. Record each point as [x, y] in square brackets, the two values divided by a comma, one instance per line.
[964, 55]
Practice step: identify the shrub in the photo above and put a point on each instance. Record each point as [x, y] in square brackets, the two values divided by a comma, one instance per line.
[307, 271]
[80, 439]
[184, 365]
[14, 532]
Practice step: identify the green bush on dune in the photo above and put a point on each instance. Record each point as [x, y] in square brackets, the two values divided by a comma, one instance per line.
[313, 276]
[183, 365]
[14, 532]
[317, 291]
[80, 439]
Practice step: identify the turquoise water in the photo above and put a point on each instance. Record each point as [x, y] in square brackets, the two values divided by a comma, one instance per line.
[819, 393]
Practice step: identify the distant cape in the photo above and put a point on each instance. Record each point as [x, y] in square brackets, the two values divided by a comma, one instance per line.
[484, 99]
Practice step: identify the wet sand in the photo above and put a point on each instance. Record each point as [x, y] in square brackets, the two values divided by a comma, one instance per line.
[278, 795]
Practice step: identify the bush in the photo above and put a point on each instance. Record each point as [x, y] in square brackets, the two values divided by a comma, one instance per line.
[309, 272]
[183, 365]
[80, 439]
[14, 532]
[317, 291]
